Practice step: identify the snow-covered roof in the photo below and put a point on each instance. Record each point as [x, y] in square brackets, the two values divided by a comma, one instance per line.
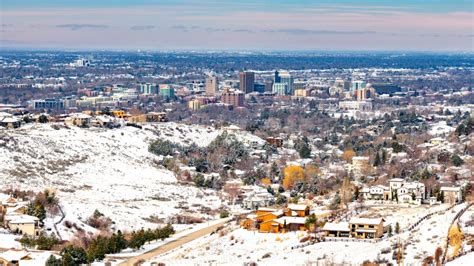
[14, 255]
[396, 180]
[21, 219]
[342, 226]
[374, 221]
[297, 207]
[455, 189]
[267, 209]
[290, 220]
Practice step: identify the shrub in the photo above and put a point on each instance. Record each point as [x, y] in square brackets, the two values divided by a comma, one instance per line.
[224, 214]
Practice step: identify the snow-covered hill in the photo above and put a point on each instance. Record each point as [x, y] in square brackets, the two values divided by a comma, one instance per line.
[106, 169]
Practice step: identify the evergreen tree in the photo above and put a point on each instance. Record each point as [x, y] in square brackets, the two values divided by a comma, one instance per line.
[73, 256]
[53, 261]
[397, 228]
[384, 156]
[456, 160]
[390, 233]
[377, 159]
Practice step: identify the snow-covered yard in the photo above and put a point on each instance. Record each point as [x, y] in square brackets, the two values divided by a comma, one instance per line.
[106, 169]
[274, 249]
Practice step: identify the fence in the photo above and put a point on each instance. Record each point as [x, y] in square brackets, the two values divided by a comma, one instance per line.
[459, 214]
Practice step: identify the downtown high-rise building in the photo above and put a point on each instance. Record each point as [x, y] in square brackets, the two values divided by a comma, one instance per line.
[212, 85]
[247, 81]
[286, 78]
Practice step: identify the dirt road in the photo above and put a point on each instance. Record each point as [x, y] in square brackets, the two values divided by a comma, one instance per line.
[171, 245]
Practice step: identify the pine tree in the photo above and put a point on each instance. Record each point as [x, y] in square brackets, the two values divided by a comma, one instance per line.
[397, 228]
[53, 261]
[384, 156]
[73, 255]
[390, 233]
[377, 159]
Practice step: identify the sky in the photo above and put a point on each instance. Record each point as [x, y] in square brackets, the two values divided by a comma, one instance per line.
[403, 25]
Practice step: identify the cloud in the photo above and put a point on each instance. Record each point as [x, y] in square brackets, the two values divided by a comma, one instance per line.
[320, 32]
[82, 26]
[143, 27]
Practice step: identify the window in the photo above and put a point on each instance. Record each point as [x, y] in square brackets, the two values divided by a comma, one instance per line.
[371, 226]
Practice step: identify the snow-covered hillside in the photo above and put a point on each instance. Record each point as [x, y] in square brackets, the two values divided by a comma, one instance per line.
[106, 169]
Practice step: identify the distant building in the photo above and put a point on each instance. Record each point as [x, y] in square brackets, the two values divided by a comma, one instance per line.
[363, 106]
[286, 78]
[339, 87]
[259, 87]
[149, 117]
[50, 104]
[166, 91]
[247, 80]
[276, 77]
[148, 89]
[212, 85]
[277, 142]
[365, 93]
[357, 85]
[82, 63]
[194, 104]
[386, 88]
[268, 86]
[302, 92]
[280, 88]
[234, 98]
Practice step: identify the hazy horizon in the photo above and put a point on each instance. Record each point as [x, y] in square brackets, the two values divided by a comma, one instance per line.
[341, 25]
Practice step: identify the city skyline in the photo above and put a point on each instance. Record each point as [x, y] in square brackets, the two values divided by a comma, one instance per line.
[245, 25]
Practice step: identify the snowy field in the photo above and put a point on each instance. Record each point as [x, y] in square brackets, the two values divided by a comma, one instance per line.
[106, 169]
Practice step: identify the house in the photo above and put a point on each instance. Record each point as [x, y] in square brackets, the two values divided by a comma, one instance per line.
[452, 195]
[14, 257]
[149, 117]
[364, 228]
[78, 119]
[271, 220]
[255, 197]
[24, 224]
[119, 113]
[378, 192]
[290, 223]
[406, 192]
[10, 122]
[277, 142]
[336, 229]
[299, 210]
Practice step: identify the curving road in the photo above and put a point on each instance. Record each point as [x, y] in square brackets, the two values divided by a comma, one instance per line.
[137, 260]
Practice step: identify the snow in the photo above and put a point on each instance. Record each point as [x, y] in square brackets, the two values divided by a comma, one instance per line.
[106, 169]
[276, 249]
[8, 240]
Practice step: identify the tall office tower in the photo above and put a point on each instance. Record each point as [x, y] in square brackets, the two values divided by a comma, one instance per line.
[280, 89]
[247, 80]
[357, 85]
[286, 78]
[276, 78]
[148, 89]
[212, 85]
